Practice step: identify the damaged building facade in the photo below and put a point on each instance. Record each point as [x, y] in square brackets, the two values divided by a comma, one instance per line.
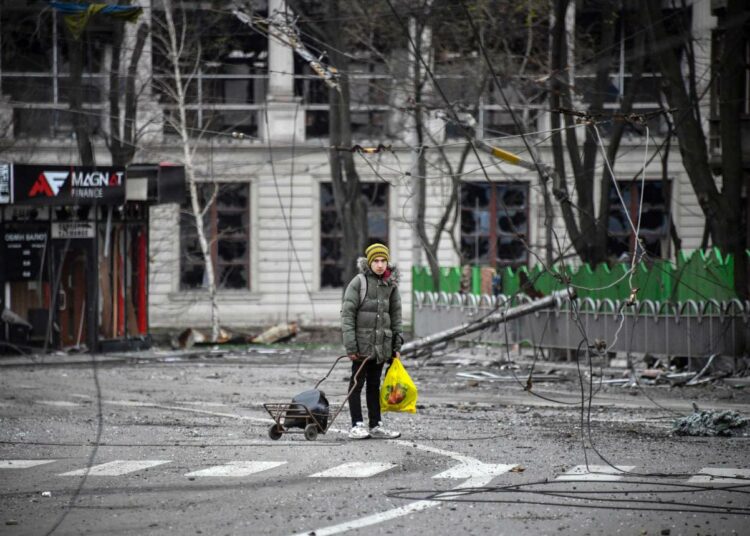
[259, 121]
[74, 263]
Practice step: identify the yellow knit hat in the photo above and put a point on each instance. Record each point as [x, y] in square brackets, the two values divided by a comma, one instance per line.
[376, 250]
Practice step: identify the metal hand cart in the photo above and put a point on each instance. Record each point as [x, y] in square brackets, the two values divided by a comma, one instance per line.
[313, 422]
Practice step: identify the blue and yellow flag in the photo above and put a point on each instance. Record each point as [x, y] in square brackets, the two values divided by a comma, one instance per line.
[77, 15]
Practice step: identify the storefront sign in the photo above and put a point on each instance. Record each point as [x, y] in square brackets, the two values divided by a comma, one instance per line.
[23, 251]
[73, 229]
[66, 185]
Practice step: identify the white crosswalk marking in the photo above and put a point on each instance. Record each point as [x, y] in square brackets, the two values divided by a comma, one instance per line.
[717, 475]
[355, 470]
[22, 464]
[470, 470]
[117, 468]
[58, 403]
[596, 472]
[236, 469]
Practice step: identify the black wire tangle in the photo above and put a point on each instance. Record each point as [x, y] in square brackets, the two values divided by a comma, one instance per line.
[617, 488]
[586, 402]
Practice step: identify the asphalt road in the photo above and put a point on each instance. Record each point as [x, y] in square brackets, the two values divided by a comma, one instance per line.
[174, 444]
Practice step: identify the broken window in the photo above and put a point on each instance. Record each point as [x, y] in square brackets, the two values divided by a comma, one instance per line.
[376, 198]
[36, 68]
[494, 224]
[654, 218]
[226, 224]
[225, 72]
[621, 64]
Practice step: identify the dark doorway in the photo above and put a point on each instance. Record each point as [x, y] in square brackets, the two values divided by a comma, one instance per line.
[75, 297]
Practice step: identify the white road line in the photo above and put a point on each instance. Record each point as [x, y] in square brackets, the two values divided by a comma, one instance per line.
[716, 475]
[236, 469]
[596, 472]
[22, 464]
[129, 403]
[469, 470]
[355, 470]
[374, 519]
[58, 403]
[117, 468]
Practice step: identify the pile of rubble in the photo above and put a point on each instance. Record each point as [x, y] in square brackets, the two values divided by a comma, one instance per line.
[712, 423]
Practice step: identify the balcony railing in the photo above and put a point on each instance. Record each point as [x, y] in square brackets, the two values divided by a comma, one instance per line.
[221, 103]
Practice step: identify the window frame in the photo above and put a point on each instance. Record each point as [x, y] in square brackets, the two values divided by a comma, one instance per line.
[493, 232]
[386, 210]
[633, 187]
[213, 237]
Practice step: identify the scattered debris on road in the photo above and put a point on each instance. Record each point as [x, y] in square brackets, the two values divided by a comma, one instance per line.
[278, 333]
[712, 423]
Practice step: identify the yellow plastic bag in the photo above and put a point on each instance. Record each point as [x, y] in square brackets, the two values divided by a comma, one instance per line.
[398, 392]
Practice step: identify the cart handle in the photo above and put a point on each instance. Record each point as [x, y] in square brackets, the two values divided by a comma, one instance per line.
[365, 360]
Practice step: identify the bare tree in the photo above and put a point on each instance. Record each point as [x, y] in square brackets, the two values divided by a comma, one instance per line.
[184, 62]
[81, 123]
[123, 133]
[122, 136]
[587, 230]
[722, 208]
[404, 48]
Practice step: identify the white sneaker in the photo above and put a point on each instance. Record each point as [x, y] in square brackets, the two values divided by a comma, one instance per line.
[382, 433]
[359, 431]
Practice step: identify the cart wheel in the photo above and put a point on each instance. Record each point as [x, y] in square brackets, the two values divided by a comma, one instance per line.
[275, 431]
[311, 432]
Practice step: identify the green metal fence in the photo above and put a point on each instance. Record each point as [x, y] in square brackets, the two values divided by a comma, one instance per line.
[698, 275]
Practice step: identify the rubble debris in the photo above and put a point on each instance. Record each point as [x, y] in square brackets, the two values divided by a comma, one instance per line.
[712, 423]
[694, 379]
[678, 378]
[737, 383]
[188, 338]
[192, 337]
[615, 381]
[277, 333]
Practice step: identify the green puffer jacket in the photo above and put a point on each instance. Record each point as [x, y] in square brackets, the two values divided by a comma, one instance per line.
[372, 328]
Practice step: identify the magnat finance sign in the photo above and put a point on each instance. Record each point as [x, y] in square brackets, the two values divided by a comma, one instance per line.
[65, 185]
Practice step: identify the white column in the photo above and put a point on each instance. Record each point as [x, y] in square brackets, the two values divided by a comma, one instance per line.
[285, 118]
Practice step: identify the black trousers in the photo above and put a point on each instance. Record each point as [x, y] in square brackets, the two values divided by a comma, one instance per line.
[369, 375]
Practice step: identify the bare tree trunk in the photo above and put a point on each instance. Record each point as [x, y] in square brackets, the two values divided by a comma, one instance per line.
[175, 50]
[350, 206]
[690, 134]
[75, 92]
[122, 130]
[722, 210]
[602, 228]
[559, 82]
[732, 72]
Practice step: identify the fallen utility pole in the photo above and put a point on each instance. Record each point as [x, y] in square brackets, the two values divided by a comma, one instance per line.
[494, 318]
